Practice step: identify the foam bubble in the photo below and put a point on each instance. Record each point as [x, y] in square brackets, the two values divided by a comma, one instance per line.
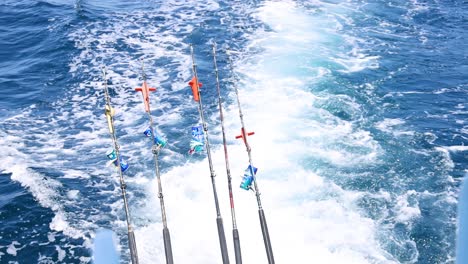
[73, 194]
[388, 123]
[12, 249]
[456, 148]
[407, 207]
[61, 253]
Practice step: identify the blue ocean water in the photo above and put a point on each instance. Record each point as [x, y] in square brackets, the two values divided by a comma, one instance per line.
[359, 109]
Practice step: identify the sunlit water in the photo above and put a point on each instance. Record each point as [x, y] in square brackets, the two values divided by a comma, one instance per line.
[359, 111]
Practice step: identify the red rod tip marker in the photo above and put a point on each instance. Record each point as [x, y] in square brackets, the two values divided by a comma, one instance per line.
[195, 91]
[144, 89]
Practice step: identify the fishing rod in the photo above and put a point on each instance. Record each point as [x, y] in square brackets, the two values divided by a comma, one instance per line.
[157, 144]
[197, 97]
[235, 232]
[121, 166]
[252, 177]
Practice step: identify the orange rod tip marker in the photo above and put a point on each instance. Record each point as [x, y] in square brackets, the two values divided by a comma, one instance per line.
[144, 89]
[195, 90]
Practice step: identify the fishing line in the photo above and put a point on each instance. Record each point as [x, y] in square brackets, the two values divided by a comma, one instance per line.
[114, 155]
[157, 144]
[195, 85]
[250, 176]
[235, 232]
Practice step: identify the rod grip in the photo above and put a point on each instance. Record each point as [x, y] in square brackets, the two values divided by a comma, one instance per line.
[222, 240]
[167, 246]
[237, 248]
[266, 237]
[132, 245]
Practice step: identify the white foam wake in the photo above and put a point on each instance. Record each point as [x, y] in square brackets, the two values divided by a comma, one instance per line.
[310, 218]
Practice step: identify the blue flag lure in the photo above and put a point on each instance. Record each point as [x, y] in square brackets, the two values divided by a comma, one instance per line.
[196, 144]
[159, 141]
[248, 178]
[112, 155]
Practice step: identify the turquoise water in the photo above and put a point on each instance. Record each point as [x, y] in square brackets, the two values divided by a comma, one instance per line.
[359, 111]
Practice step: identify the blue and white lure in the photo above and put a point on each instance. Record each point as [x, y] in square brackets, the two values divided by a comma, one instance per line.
[197, 141]
[248, 178]
[159, 141]
[112, 156]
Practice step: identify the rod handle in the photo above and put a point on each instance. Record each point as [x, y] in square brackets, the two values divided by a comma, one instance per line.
[237, 248]
[167, 246]
[132, 245]
[266, 237]
[222, 240]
